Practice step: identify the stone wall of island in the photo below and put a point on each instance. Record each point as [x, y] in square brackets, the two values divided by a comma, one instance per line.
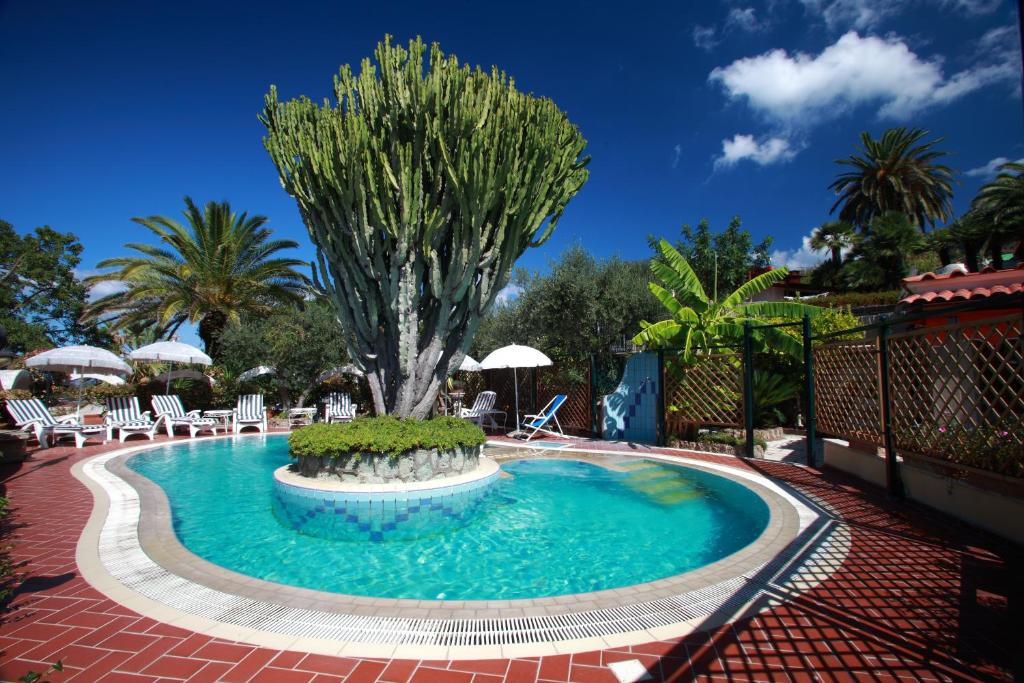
[381, 468]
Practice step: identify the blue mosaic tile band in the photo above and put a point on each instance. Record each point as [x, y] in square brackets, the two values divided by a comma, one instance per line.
[345, 516]
[631, 412]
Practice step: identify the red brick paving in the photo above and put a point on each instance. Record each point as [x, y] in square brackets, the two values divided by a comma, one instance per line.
[919, 597]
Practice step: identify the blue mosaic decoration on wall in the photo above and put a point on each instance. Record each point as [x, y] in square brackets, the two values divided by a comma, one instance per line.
[347, 516]
[631, 412]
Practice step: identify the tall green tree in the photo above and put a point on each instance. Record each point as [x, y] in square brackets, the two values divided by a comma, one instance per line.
[41, 299]
[698, 323]
[898, 172]
[722, 260]
[421, 184]
[881, 258]
[835, 236]
[1000, 203]
[217, 267]
[580, 307]
[301, 343]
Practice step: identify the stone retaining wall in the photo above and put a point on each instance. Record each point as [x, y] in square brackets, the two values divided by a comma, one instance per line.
[379, 468]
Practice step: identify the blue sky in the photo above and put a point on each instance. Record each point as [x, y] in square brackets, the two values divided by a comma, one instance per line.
[118, 109]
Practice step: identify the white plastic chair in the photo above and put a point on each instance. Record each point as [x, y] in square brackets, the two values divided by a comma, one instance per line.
[170, 409]
[31, 414]
[125, 417]
[339, 408]
[249, 413]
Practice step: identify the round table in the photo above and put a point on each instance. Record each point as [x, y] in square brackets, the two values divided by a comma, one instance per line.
[223, 417]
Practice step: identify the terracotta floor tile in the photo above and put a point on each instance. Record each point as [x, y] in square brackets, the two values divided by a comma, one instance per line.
[366, 672]
[429, 675]
[174, 667]
[398, 671]
[322, 664]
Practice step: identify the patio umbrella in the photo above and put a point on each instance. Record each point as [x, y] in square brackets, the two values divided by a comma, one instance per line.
[514, 356]
[71, 359]
[99, 377]
[333, 373]
[171, 352]
[257, 371]
[470, 365]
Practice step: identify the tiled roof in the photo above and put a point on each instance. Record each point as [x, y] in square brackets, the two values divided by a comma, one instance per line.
[963, 293]
[959, 273]
[961, 286]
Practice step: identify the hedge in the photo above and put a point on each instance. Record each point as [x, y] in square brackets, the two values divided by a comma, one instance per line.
[857, 299]
[386, 435]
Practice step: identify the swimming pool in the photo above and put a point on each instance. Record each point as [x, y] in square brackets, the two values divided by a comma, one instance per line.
[552, 527]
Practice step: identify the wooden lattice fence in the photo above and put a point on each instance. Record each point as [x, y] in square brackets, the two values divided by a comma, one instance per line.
[958, 393]
[708, 392]
[575, 413]
[846, 390]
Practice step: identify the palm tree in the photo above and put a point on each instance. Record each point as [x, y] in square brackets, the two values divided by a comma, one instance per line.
[880, 258]
[896, 173]
[211, 272]
[834, 236]
[970, 233]
[698, 323]
[1001, 204]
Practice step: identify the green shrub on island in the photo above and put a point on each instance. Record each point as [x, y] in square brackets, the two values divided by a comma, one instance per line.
[387, 435]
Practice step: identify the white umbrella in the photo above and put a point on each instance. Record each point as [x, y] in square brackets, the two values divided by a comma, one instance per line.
[71, 359]
[171, 352]
[99, 377]
[257, 371]
[470, 365]
[339, 371]
[514, 356]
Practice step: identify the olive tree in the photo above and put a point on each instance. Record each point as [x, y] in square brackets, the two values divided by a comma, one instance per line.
[420, 185]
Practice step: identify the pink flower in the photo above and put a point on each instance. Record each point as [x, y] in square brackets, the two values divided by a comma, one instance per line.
[1004, 434]
[942, 430]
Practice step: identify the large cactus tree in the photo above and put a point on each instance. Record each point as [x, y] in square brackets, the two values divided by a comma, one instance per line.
[420, 188]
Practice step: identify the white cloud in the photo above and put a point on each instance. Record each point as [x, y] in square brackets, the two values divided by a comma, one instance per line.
[704, 37]
[762, 152]
[799, 89]
[101, 289]
[840, 15]
[508, 293]
[802, 258]
[677, 152]
[991, 169]
[745, 19]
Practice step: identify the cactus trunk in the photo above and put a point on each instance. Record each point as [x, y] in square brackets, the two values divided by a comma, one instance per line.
[420, 189]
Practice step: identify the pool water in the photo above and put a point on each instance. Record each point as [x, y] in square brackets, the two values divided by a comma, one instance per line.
[550, 528]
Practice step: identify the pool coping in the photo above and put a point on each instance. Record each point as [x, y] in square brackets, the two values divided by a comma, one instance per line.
[150, 538]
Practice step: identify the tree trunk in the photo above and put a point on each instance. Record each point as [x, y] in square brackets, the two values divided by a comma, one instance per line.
[837, 256]
[945, 257]
[210, 327]
[995, 252]
[971, 257]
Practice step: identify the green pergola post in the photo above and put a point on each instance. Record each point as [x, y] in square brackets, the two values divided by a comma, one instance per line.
[748, 386]
[892, 471]
[809, 391]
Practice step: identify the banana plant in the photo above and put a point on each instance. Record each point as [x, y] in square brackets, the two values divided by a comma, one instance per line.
[698, 324]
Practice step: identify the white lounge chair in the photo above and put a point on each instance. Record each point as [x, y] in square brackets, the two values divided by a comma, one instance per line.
[31, 414]
[126, 418]
[534, 424]
[249, 413]
[483, 410]
[339, 407]
[170, 409]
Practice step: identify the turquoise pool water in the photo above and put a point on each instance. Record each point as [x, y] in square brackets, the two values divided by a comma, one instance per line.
[553, 527]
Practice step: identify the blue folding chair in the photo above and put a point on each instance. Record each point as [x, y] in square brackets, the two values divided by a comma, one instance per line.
[536, 424]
